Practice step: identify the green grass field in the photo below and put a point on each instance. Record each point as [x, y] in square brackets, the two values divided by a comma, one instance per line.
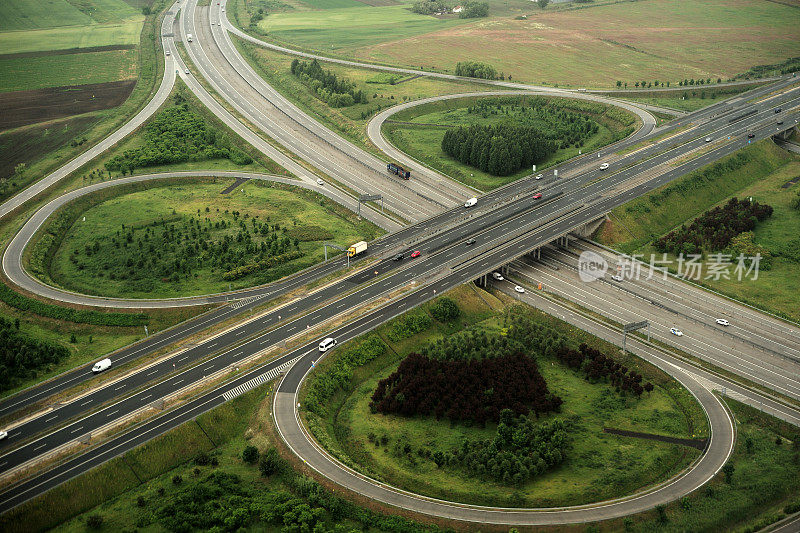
[423, 142]
[291, 209]
[28, 73]
[576, 45]
[587, 475]
[635, 224]
[64, 38]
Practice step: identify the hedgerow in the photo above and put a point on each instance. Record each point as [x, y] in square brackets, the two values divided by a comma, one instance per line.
[407, 325]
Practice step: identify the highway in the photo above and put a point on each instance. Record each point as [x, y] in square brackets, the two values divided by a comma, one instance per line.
[507, 224]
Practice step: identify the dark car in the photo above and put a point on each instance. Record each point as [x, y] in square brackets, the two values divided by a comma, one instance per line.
[469, 241]
[780, 122]
[777, 109]
[398, 257]
[751, 135]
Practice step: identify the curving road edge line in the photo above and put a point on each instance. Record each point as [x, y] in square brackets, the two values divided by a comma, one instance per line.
[718, 450]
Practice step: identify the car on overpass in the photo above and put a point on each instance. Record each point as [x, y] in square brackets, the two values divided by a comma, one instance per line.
[708, 139]
[519, 289]
[398, 257]
[751, 135]
[676, 332]
[616, 277]
[415, 254]
[723, 322]
[537, 196]
[604, 166]
[539, 176]
[469, 242]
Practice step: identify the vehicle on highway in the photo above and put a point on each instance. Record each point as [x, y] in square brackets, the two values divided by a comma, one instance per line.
[498, 276]
[616, 277]
[723, 322]
[357, 248]
[398, 257]
[537, 196]
[708, 139]
[469, 241]
[320, 182]
[415, 254]
[186, 71]
[167, 53]
[780, 122]
[470, 202]
[751, 135]
[519, 289]
[189, 37]
[3, 435]
[604, 166]
[676, 331]
[777, 109]
[540, 176]
[327, 344]
[99, 366]
[398, 170]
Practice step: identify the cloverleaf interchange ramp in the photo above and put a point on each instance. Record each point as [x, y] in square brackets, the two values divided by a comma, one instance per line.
[469, 268]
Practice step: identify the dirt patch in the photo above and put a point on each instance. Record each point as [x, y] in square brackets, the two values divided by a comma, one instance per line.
[68, 51]
[29, 144]
[20, 108]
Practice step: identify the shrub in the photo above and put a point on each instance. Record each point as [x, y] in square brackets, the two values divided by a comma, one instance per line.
[250, 455]
[94, 521]
[177, 479]
[271, 463]
[445, 309]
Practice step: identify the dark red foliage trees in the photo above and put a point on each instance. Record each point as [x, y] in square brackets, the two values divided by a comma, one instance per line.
[597, 366]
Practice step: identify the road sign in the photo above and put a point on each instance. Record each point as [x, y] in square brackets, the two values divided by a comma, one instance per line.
[634, 326]
[369, 197]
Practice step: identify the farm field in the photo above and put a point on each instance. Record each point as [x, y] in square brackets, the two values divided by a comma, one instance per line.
[197, 210]
[371, 442]
[761, 171]
[424, 141]
[591, 46]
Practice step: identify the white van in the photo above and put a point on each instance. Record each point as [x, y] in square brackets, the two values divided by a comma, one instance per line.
[327, 344]
[471, 202]
[99, 366]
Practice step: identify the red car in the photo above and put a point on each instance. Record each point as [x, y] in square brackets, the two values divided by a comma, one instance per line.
[537, 196]
[416, 253]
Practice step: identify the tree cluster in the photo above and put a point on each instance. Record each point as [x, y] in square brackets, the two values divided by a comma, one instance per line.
[474, 10]
[407, 325]
[429, 7]
[597, 366]
[466, 389]
[175, 247]
[334, 91]
[177, 135]
[499, 150]
[22, 357]
[445, 309]
[522, 449]
[715, 228]
[475, 69]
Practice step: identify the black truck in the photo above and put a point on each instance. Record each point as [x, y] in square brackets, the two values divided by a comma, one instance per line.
[400, 171]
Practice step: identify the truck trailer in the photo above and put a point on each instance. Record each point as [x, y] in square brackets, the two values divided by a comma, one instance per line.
[357, 248]
[400, 171]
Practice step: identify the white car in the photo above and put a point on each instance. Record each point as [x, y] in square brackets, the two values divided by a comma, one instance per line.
[327, 344]
[186, 71]
[519, 289]
[616, 277]
[3, 435]
[676, 331]
[320, 182]
[708, 139]
[604, 166]
[540, 176]
[723, 322]
[498, 276]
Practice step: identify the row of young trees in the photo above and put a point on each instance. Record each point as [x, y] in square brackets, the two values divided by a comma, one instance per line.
[474, 390]
[522, 449]
[22, 357]
[681, 83]
[598, 366]
[171, 247]
[715, 229]
[334, 91]
[177, 135]
[499, 150]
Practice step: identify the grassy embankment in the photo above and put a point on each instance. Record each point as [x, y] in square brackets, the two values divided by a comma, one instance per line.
[297, 212]
[578, 45]
[598, 466]
[424, 141]
[759, 171]
[383, 90]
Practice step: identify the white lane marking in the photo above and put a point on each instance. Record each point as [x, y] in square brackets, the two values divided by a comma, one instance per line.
[120, 387]
[153, 372]
[182, 358]
[146, 397]
[112, 412]
[40, 447]
[51, 418]
[87, 401]
[76, 430]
